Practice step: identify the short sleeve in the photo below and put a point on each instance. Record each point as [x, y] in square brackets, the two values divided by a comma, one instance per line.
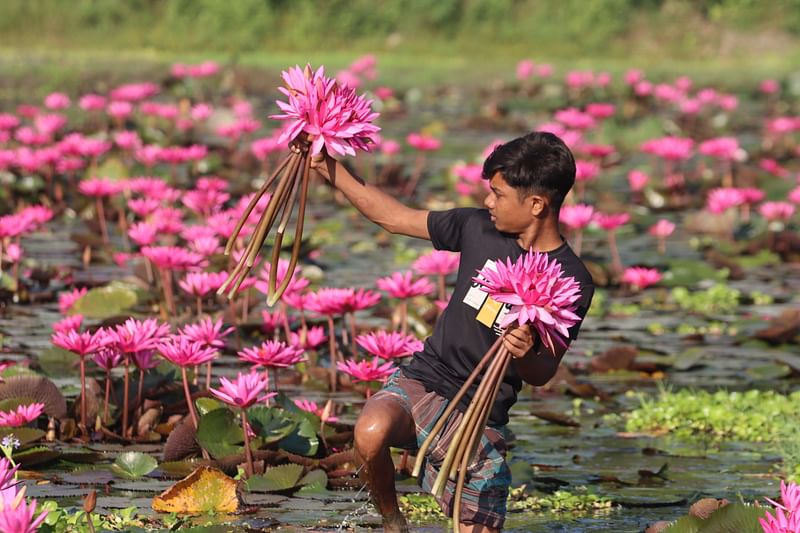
[447, 227]
[584, 302]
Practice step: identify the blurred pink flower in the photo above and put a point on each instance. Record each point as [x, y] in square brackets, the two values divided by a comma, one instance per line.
[773, 167]
[611, 222]
[794, 195]
[601, 110]
[21, 416]
[173, 257]
[633, 76]
[99, 187]
[437, 262]
[92, 102]
[143, 233]
[367, 370]
[640, 277]
[423, 142]
[663, 228]
[769, 86]
[576, 216]
[272, 354]
[524, 69]
[539, 294]
[360, 299]
[312, 407]
[243, 391]
[776, 211]
[389, 345]
[119, 109]
[134, 92]
[751, 195]
[127, 140]
[637, 180]
[69, 323]
[107, 358]
[315, 337]
[17, 514]
[67, 299]
[724, 148]
[384, 93]
[208, 332]
[586, 170]
[402, 285]
[575, 119]
[202, 283]
[670, 148]
[137, 335]
[327, 301]
[723, 198]
[185, 352]
[56, 101]
[81, 344]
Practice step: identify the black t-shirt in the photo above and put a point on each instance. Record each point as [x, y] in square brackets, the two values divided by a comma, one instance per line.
[469, 325]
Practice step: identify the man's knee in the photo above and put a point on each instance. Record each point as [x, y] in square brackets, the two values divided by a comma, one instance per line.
[380, 426]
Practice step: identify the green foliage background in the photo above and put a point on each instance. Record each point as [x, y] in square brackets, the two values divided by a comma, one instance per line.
[562, 27]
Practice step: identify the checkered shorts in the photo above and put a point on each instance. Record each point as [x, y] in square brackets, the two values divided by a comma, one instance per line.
[488, 476]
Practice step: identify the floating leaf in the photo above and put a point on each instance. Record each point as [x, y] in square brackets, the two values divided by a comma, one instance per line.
[11, 404]
[206, 405]
[315, 482]
[688, 272]
[57, 361]
[303, 440]
[271, 424]
[24, 435]
[220, 434]
[133, 465]
[104, 302]
[768, 371]
[178, 468]
[36, 455]
[206, 490]
[279, 478]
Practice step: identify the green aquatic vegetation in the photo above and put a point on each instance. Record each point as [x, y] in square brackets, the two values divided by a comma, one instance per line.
[753, 416]
[599, 303]
[759, 298]
[64, 520]
[718, 298]
[424, 508]
[712, 328]
[623, 309]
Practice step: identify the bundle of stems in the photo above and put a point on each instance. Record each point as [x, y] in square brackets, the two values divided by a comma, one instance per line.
[290, 180]
[465, 441]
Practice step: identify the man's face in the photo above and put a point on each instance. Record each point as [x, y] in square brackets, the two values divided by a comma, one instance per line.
[509, 213]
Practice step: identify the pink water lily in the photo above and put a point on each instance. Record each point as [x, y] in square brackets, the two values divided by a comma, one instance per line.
[389, 345]
[336, 117]
[243, 391]
[21, 416]
[576, 217]
[367, 370]
[272, 354]
[539, 293]
[16, 514]
[640, 278]
[402, 285]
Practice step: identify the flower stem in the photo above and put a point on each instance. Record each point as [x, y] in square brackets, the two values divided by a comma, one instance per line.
[83, 394]
[332, 348]
[487, 357]
[248, 453]
[101, 218]
[126, 389]
[188, 395]
[108, 393]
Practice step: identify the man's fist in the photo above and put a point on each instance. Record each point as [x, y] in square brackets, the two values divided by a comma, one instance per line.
[519, 340]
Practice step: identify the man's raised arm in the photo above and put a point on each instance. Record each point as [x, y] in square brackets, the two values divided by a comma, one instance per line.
[376, 205]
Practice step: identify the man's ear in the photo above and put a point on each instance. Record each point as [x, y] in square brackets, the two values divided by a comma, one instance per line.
[540, 205]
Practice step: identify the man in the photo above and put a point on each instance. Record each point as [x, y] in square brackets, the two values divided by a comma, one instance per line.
[529, 177]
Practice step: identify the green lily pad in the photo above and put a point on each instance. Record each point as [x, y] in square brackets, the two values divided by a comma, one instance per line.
[220, 434]
[688, 272]
[56, 361]
[10, 404]
[315, 482]
[303, 440]
[271, 424]
[36, 455]
[133, 465]
[24, 435]
[768, 372]
[732, 518]
[206, 405]
[762, 258]
[279, 478]
[104, 302]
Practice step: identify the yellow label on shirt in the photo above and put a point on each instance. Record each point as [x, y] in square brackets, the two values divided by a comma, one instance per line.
[488, 312]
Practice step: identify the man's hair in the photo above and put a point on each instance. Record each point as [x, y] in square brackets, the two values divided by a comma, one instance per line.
[538, 163]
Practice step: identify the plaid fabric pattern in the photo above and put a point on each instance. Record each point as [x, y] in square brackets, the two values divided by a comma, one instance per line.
[488, 476]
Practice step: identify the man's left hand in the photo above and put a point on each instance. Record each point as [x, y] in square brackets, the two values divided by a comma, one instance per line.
[519, 340]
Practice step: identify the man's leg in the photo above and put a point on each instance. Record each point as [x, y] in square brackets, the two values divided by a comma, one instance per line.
[383, 423]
